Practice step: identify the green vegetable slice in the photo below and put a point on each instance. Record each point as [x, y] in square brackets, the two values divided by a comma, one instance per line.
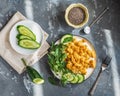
[68, 76]
[75, 80]
[81, 78]
[67, 38]
[38, 81]
[26, 31]
[29, 44]
[20, 37]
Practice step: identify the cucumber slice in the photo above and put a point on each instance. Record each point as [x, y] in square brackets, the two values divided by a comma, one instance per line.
[75, 80]
[28, 44]
[38, 81]
[26, 31]
[81, 78]
[67, 38]
[20, 37]
[68, 76]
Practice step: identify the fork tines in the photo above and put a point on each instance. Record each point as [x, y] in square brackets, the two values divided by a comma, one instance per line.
[107, 60]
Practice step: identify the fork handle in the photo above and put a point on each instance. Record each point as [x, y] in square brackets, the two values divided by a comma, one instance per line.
[92, 89]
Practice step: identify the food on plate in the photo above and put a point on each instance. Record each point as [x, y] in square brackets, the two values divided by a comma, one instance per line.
[66, 38]
[23, 30]
[20, 37]
[29, 44]
[70, 60]
[76, 15]
[79, 56]
[33, 74]
[26, 38]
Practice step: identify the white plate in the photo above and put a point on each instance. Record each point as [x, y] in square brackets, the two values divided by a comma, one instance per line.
[89, 70]
[34, 27]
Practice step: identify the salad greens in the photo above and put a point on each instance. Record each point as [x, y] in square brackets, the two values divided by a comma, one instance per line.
[57, 57]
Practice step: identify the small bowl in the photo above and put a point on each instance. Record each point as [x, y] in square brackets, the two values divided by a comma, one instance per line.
[76, 15]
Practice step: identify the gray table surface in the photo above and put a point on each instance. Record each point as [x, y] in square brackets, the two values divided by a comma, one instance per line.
[49, 14]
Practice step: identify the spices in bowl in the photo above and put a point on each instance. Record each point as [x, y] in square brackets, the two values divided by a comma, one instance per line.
[76, 15]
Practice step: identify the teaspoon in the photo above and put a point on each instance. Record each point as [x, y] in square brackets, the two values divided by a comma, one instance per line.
[87, 28]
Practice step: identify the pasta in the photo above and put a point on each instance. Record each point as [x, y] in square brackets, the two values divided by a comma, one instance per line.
[79, 56]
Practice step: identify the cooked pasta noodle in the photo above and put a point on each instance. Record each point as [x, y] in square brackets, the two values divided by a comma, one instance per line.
[79, 56]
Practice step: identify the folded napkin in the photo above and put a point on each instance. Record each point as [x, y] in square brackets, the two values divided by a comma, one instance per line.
[10, 55]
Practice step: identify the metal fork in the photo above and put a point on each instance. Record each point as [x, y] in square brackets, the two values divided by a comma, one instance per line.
[104, 65]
